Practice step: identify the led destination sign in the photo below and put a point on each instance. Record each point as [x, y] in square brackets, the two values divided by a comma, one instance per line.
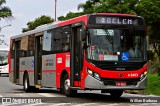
[115, 20]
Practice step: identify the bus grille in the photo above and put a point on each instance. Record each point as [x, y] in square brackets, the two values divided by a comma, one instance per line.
[112, 82]
[118, 66]
[121, 67]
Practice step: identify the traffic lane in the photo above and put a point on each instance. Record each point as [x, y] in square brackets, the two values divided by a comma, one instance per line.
[7, 87]
[87, 96]
[58, 97]
[93, 96]
[82, 98]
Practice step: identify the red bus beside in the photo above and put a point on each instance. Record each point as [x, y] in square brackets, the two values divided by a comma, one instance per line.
[103, 51]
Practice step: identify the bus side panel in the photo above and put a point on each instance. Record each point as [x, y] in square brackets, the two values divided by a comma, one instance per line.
[10, 63]
[48, 70]
[11, 67]
[27, 64]
[84, 73]
[61, 64]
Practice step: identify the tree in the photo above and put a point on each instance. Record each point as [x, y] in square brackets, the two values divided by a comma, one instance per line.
[150, 10]
[116, 6]
[70, 15]
[86, 7]
[95, 6]
[37, 22]
[5, 12]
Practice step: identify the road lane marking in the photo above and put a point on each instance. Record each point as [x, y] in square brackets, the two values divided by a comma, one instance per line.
[132, 95]
[45, 94]
[114, 104]
[38, 104]
[60, 104]
[50, 95]
[85, 104]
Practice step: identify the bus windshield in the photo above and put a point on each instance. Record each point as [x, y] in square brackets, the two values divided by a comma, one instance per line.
[3, 57]
[116, 45]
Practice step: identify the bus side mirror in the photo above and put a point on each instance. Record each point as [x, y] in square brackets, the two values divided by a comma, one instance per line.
[84, 32]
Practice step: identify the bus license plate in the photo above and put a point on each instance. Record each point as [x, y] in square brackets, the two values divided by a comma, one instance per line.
[120, 83]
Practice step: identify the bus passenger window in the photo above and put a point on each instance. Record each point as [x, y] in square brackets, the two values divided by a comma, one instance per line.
[31, 42]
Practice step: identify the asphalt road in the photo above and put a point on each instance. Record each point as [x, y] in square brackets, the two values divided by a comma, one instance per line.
[53, 97]
[7, 87]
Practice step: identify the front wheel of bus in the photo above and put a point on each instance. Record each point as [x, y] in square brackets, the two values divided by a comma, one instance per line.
[66, 86]
[116, 93]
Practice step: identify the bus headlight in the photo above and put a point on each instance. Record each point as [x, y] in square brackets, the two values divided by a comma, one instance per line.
[93, 74]
[97, 76]
[143, 75]
[90, 72]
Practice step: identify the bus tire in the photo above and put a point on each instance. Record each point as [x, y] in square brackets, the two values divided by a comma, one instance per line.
[66, 87]
[26, 85]
[116, 93]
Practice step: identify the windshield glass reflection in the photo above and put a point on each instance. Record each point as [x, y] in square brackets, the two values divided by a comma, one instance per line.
[3, 57]
[116, 45]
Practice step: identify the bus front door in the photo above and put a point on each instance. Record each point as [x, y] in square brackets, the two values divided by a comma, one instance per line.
[76, 54]
[38, 60]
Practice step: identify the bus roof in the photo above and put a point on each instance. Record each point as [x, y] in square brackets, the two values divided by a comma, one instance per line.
[37, 30]
[83, 18]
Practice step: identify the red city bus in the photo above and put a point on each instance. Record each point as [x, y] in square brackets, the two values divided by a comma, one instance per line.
[103, 51]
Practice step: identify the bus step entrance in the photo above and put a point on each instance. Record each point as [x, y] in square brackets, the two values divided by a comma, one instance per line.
[75, 88]
[38, 86]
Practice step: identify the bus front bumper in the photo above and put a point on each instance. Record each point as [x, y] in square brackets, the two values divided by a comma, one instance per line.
[92, 83]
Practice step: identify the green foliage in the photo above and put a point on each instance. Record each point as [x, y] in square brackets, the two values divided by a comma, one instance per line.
[152, 67]
[149, 9]
[158, 70]
[114, 6]
[153, 84]
[150, 55]
[95, 6]
[37, 22]
[5, 12]
[70, 15]
[86, 7]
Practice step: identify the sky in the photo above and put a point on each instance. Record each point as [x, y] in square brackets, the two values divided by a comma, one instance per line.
[28, 10]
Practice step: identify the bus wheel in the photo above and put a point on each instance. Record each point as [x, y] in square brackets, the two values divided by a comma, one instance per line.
[116, 93]
[66, 86]
[26, 86]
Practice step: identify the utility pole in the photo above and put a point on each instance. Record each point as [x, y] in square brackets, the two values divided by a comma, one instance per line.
[55, 10]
